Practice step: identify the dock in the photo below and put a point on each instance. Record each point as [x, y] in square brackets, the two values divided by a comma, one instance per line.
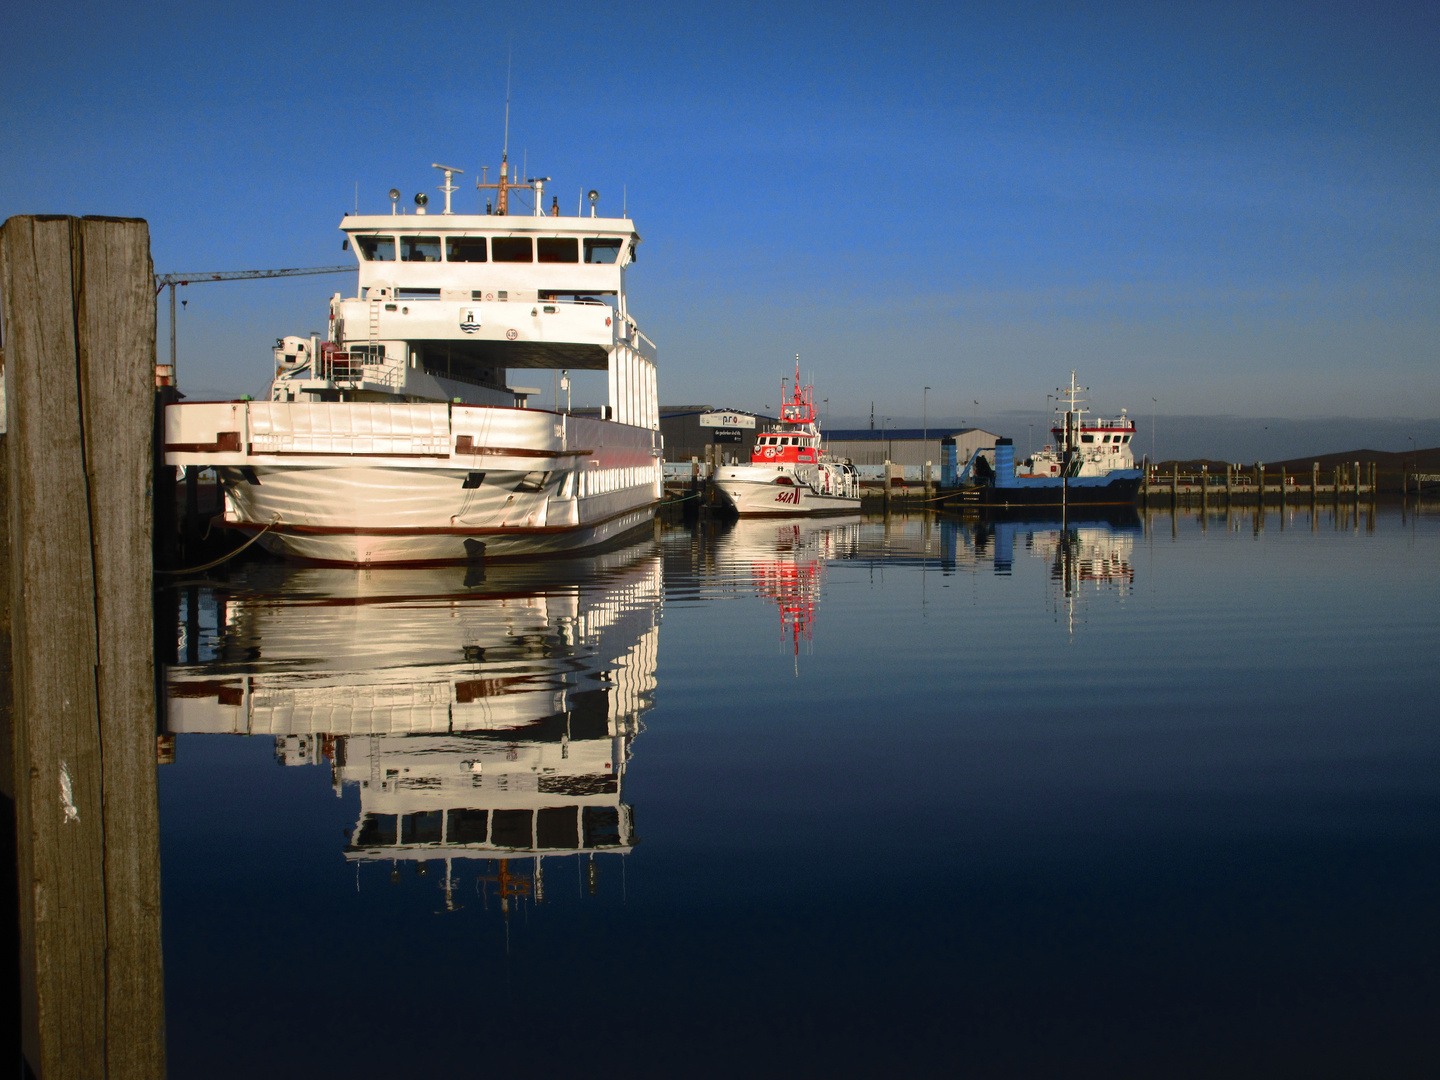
[1350, 483]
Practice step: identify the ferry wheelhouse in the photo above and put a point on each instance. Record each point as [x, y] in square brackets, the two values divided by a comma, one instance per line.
[398, 437]
[789, 472]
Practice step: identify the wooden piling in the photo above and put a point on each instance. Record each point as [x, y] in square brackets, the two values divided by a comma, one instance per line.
[79, 310]
[1259, 484]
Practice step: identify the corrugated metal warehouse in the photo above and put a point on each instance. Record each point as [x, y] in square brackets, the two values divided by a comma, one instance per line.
[904, 446]
[733, 432]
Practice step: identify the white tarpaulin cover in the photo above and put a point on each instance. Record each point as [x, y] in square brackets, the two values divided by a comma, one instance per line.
[361, 427]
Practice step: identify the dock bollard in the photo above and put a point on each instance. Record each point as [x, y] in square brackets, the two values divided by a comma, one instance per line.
[79, 314]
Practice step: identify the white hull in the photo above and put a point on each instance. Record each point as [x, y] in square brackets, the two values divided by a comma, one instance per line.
[374, 483]
[368, 547]
[752, 490]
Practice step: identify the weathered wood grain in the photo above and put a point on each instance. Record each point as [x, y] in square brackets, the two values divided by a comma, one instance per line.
[83, 707]
[115, 346]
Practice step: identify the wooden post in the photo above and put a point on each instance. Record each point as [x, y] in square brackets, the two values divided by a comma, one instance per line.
[79, 308]
[1175, 487]
[1229, 485]
[1314, 482]
[1259, 484]
[1204, 488]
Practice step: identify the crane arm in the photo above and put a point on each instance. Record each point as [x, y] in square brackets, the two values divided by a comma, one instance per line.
[162, 280]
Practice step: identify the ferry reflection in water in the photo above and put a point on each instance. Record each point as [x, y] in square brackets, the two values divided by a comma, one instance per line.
[481, 714]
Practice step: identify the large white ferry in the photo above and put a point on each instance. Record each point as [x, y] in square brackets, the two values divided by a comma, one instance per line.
[789, 472]
[397, 439]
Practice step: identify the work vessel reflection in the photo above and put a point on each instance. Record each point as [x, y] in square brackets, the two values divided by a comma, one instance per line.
[480, 715]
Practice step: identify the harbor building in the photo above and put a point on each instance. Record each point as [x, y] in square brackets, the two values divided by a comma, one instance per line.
[910, 447]
[699, 431]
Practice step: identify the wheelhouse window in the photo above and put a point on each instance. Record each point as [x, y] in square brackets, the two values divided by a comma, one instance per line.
[604, 250]
[557, 249]
[465, 249]
[419, 249]
[376, 248]
[512, 249]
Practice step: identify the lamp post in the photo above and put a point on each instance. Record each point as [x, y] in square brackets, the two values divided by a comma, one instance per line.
[1153, 458]
[925, 436]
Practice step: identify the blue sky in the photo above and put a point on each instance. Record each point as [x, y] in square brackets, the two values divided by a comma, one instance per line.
[1230, 208]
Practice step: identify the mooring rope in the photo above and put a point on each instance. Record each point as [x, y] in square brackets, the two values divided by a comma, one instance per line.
[225, 558]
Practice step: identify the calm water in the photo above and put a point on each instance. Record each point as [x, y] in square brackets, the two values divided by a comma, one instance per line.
[819, 798]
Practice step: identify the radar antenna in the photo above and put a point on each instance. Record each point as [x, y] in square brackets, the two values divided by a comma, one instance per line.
[448, 187]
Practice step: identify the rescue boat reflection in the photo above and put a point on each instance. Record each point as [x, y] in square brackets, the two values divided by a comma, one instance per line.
[480, 716]
[787, 560]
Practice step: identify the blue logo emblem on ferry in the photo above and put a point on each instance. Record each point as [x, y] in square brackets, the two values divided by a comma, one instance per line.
[469, 320]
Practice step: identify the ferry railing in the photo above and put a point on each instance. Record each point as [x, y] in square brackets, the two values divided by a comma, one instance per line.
[354, 367]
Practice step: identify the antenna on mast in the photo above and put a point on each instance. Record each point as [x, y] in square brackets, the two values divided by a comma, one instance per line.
[509, 63]
[502, 198]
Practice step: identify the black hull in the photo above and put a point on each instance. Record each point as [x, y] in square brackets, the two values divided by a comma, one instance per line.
[1121, 492]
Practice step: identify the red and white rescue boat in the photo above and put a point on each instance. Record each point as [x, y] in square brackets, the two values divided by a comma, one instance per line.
[789, 472]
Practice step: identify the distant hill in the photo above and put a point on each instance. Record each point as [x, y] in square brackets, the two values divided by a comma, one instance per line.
[1189, 438]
